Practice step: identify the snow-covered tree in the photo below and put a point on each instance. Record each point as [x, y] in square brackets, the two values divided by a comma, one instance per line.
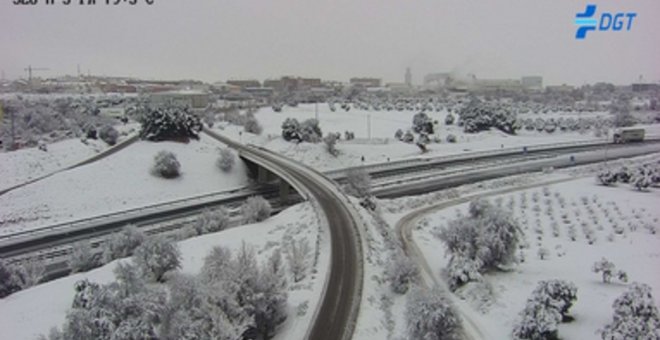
[226, 160]
[642, 178]
[291, 130]
[29, 273]
[166, 165]
[449, 119]
[358, 183]
[330, 141]
[310, 131]
[545, 309]
[478, 116]
[488, 237]
[210, 221]
[255, 209]
[408, 137]
[82, 258]
[122, 244]
[169, 123]
[537, 322]
[8, 284]
[606, 177]
[431, 316]
[252, 126]
[422, 123]
[462, 270]
[157, 256]
[635, 315]
[398, 134]
[297, 254]
[451, 138]
[422, 141]
[558, 294]
[109, 134]
[608, 270]
[620, 109]
[401, 272]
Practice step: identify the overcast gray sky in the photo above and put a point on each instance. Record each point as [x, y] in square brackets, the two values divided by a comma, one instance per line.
[216, 40]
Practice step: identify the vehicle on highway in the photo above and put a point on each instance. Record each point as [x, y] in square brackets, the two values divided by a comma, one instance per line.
[628, 136]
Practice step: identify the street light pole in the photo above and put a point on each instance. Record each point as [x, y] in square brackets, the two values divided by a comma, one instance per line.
[369, 126]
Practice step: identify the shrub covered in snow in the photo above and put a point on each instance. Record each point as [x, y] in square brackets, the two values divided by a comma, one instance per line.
[211, 221]
[169, 123]
[8, 284]
[109, 134]
[226, 160]
[122, 244]
[606, 177]
[307, 131]
[401, 272]
[451, 138]
[157, 256]
[642, 178]
[330, 141]
[255, 209]
[545, 309]
[28, 273]
[449, 119]
[398, 134]
[635, 315]
[462, 270]
[245, 288]
[408, 137]
[252, 126]
[166, 165]
[431, 316]
[297, 254]
[358, 183]
[487, 237]
[82, 258]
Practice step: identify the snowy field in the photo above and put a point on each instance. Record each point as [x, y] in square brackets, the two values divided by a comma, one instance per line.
[577, 223]
[120, 182]
[383, 146]
[23, 165]
[26, 314]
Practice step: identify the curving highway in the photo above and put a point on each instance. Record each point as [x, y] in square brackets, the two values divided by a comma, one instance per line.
[336, 316]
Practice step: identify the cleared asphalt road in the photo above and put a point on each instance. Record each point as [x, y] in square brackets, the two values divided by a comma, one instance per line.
[338, 311]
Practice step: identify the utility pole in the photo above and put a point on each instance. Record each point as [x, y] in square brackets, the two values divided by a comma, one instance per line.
[369, 126]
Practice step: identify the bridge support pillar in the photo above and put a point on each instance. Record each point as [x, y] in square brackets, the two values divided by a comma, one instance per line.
[262, 175]
[285, 188]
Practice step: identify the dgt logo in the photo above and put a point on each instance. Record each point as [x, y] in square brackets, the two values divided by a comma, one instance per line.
[589, 22]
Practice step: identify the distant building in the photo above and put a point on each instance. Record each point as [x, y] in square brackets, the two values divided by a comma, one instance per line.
[398, 87]
[560, 88]
[498, 84]
[436, 79]
[408, 77]
[643, 87]
[194, 99]
[365, 82]
[532, 82]
[244, 83]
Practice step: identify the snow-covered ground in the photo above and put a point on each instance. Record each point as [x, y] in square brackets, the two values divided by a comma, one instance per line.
[26, 314]
[383, 146]
[23, 165]
[119, 182]
[621, 219]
